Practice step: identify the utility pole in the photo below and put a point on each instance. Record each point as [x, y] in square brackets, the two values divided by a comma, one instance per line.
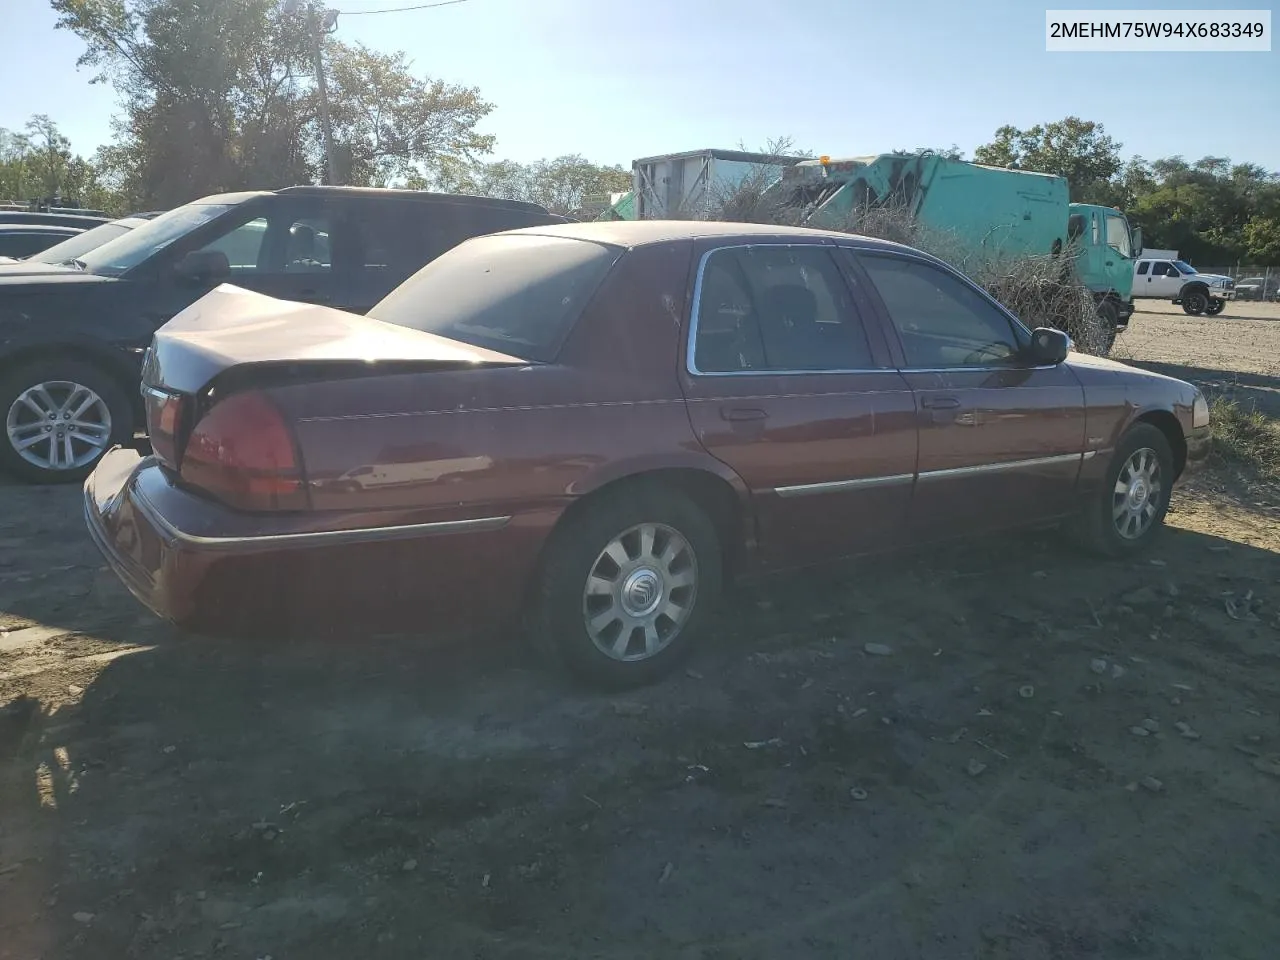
[326, 23]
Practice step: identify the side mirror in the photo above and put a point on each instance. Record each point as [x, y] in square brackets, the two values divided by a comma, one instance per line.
[1135, 243]
[204, 266]
[1048, 346]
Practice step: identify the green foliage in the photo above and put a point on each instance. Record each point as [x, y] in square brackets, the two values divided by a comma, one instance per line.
[1245, 437]
[1212, 211]
[221, 95]
[561, 185]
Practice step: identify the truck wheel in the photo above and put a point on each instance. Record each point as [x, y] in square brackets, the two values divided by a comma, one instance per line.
[627, 586]
[1108, 320]
[1195, 302]
[60, 417]
[1215, 307]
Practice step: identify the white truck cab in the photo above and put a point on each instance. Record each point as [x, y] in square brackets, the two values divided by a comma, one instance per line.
[1168, 278]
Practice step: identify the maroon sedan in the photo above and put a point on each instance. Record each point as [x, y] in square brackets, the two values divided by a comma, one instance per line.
[598, 424]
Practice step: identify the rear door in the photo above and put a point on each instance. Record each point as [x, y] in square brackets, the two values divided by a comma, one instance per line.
[1001, 439]
[790, 386]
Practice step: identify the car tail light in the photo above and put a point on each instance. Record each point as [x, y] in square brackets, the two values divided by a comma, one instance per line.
[164, 419]
[243, 453]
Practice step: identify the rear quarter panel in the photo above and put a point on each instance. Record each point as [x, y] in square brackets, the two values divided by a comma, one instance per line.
[517, 441]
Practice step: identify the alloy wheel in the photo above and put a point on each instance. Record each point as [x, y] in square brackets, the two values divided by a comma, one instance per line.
[640, 592]
[1136, 498]
[59, 425]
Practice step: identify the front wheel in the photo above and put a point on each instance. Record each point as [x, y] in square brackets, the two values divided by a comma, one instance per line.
[1129, 508]
[627, 585]
[60, 417]
[1108, 321]
[1215, 307]
[1195, 303]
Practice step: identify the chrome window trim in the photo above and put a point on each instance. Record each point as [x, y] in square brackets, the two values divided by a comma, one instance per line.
[690, 364]
[863, 483]
[319, 537]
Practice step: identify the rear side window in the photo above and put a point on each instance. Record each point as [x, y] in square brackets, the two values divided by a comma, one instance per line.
[1142, 268]
[516, 294]
[776, 308]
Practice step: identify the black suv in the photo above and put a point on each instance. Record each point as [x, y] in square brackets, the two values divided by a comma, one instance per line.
[72, 336]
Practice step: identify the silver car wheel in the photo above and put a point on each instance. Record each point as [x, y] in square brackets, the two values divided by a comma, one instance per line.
[1136, 498]
[640, 592]
[59, 425]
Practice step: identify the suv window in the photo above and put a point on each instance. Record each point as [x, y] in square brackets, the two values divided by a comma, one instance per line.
[942, 321]
[780, 308]
[242, 246]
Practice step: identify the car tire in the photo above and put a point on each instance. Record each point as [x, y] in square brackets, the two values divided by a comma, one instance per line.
[1116, 522]
[660, 589]
[1215, 307]
[36, 402]
[1195, 302]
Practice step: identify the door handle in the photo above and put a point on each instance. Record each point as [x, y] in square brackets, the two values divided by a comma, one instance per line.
[940, 403]
[738, 414]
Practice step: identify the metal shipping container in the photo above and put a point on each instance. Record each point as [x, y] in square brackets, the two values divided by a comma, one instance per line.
[687, 184]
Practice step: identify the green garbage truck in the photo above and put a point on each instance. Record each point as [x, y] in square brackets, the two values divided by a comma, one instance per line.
[988, 213]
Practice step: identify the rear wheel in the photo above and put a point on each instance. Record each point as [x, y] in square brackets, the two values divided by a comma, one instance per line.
[1195, 302]
[1130, 506]
[1215, 307]
[60, 417]
[627, 585]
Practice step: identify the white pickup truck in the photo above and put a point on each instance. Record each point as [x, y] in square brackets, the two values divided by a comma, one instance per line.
[1175, 280]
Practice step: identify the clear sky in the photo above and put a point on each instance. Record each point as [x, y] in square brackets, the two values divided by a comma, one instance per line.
[619, 79]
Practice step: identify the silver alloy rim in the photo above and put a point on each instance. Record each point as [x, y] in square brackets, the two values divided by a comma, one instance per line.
[640, 592]
[1136, 498]
[59, 425]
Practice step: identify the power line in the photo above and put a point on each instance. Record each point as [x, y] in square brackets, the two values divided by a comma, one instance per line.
[420, 6]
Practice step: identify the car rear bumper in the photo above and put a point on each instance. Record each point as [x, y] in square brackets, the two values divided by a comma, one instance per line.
[206, 567]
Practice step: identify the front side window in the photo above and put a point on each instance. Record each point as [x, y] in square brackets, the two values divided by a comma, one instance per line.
[942, 321]
[776, 308]
[1163, 270]
[242, 246]
[517, 294]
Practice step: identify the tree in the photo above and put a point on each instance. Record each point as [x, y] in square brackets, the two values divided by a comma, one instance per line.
[562, 185]
[1079, 150]
[395, 124]
[219, 95]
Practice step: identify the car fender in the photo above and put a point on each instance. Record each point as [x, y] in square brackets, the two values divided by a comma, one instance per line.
[629, 467]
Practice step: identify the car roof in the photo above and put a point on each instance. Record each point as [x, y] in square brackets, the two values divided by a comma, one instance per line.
[56, 219]
[635, 233]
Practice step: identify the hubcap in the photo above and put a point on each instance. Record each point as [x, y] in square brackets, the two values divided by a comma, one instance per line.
[58, 425]
[1136, 498]
[640, 592]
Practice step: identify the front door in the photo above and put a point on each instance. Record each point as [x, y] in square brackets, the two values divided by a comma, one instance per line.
[1001, 439]
[1164, 280]
[786, 387]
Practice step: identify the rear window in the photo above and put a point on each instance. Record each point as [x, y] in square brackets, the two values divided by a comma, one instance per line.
[516, 294]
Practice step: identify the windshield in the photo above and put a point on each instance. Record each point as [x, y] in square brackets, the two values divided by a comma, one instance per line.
[124, 253]
[517, 294]
[1184, 267]
[76, 247]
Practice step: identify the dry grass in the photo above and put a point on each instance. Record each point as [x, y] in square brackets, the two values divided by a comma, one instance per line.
[1246, 438]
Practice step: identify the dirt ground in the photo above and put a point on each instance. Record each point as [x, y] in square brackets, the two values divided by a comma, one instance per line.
[1056, 759]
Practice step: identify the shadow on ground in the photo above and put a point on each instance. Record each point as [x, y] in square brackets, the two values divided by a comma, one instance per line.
[974, 791]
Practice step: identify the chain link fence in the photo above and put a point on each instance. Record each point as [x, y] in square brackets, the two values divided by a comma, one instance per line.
[1252, 282]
